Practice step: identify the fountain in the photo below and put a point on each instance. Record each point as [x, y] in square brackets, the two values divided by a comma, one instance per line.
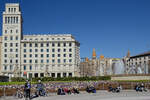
[119, 67]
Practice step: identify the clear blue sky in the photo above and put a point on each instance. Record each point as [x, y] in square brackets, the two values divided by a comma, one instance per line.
[110, 26]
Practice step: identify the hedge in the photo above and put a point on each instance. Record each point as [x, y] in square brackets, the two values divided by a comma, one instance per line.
[47, 79]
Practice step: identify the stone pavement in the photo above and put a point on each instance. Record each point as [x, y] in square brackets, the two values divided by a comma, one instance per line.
[100, 95]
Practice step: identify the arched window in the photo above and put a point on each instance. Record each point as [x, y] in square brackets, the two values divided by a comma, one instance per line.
[16, 19]
[8, 19]
[5, 20]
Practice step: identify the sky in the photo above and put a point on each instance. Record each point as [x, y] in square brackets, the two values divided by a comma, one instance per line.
[112, 27]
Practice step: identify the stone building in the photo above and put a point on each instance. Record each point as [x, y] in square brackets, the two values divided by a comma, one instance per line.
[97, 66]
[138, 64]
[53, 55]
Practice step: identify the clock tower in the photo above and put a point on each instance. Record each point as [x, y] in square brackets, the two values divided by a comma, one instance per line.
[11, 40]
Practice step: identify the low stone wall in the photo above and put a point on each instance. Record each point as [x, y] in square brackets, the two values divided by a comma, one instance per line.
[130, 78]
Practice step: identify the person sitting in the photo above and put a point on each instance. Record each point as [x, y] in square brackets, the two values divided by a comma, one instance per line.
[91, 89]
[60, 91]
[75, 90]
[110, 89]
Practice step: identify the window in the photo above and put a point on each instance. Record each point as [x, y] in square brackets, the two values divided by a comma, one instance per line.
[11, 61]
[30, 44]
[25, 56]
[64, 50]
[5, 50]
[42, 45]
[36, 50]
[11, 50]
[16, 44]
[30, 67]
[8, 9]
[30, 50]
[47, 55]
[8, 19]
[5, 31]
[64, 44]
[11, 37]
[25, 50]
[30, 61]
[47, 50]
[5, 67]
[42, 55]
[64, 60]
[36, 61]
[53, 39]
[58, 50]
[5, 61]
[16, 31]
[58, 44]
[16, 55]
[5, 44]
[16, 61]
[16, 37]
[53, 60]
[24, 67]
[5, 55]
[70, 44]
[5, 38]
[42, 61]
[5, 20]
[41, 50]
[53, 50]
[70, 60]
[36, 55]
[16, 19]
[47, 44]
[36, 45]
[47, 61]
[70, 74]
[64, 55]
[58, 55]
[53, 44]
[58, 60]
[70, 50]
[11, 44]
[11, 67]
[70, 55]
[24, 61]
[30, 55]
[24, 45]
[53, 55]
[11, 31]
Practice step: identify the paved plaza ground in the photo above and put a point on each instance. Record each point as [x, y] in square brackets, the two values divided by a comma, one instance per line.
[100, 95]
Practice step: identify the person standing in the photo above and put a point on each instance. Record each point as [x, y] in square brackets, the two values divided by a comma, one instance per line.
[27, 88]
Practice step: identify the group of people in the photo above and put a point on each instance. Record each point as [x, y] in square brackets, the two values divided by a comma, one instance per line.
[39, 90]
[64, 91]
[90, 89]
[140, 87]
[116, 89]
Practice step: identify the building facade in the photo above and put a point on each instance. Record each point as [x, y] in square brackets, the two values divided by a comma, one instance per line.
[97, 66]
[138, 64]
[53, 55]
